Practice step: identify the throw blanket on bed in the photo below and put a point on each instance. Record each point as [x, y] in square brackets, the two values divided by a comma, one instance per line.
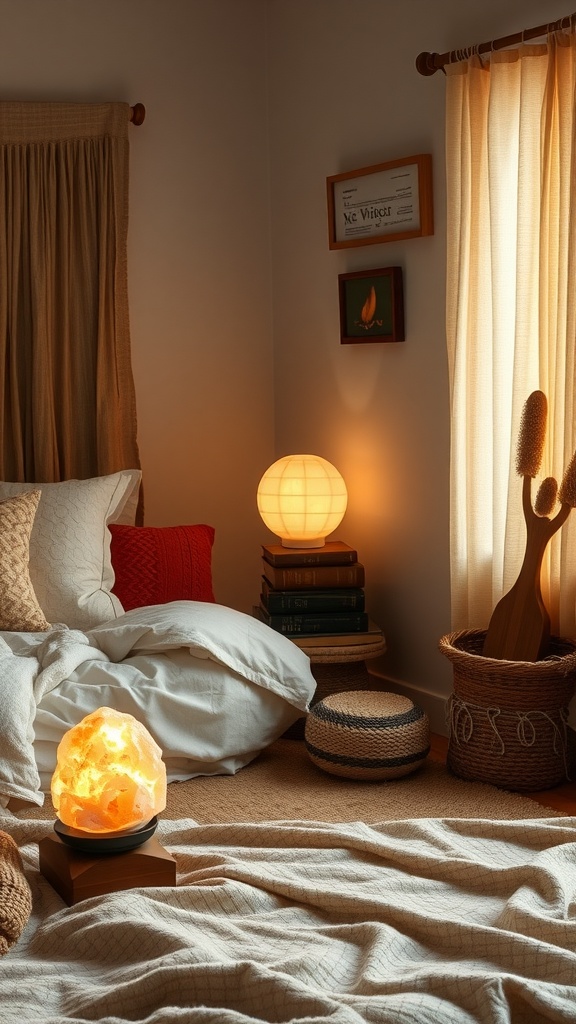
[409, 922]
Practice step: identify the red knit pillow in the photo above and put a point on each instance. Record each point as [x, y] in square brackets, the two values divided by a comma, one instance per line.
[157, 564]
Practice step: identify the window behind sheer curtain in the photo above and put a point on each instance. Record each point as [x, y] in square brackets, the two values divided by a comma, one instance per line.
[66, 386]
[511, 311]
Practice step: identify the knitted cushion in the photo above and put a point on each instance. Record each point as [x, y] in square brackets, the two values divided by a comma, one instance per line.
[19, 608]
[366, 734]
[157, 564]
[15, 896]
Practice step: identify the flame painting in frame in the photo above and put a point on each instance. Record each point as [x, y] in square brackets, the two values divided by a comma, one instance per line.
[371, 306]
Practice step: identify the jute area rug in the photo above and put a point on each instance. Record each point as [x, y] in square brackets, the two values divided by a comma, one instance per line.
[283, 784]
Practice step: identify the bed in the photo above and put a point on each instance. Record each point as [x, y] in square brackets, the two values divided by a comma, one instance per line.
[424, 921]
[96, 612]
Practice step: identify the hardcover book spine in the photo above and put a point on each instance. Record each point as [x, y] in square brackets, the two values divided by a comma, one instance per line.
[315, 577]
[337, 600]
[337, 623]
[337, 554]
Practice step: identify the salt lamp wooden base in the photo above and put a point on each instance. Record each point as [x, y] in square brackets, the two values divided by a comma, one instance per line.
[77, 876]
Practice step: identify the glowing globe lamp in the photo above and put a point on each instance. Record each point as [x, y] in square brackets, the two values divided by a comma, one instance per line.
[302, 498]
[109, 775]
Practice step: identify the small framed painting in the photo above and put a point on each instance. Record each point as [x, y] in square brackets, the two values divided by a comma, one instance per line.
[383, 203]
[371, 306]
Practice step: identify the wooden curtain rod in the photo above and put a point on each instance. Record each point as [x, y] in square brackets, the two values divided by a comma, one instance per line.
[137, 113]
[430, 63]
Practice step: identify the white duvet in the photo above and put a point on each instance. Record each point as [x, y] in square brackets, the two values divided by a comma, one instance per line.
[214, 687]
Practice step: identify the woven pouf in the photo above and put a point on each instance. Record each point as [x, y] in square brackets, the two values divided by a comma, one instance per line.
[366, 734]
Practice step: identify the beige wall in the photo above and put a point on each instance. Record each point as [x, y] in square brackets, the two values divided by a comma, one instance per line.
[345, 94]
[250, 105]
[199, 260]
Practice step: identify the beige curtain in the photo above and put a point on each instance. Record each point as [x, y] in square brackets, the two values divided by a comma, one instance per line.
[66, 386]
[511, 287]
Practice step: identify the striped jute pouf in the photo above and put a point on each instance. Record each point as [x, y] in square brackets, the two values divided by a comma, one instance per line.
[367, 734]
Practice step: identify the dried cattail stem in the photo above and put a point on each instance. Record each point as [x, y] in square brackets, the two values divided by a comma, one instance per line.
[532, 435]
[546, 497]
[567, 492]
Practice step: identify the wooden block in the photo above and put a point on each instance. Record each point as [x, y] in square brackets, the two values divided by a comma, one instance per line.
[77, 876]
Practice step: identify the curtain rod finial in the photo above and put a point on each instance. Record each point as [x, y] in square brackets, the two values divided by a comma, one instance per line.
[137, 113]
[426, 63]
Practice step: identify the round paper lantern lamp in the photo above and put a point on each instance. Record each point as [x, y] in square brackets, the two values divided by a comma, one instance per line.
[302, 498]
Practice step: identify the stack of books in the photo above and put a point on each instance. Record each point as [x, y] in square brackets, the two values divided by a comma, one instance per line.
[314, 592]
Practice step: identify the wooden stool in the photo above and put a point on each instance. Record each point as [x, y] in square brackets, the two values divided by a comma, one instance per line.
[337, 668]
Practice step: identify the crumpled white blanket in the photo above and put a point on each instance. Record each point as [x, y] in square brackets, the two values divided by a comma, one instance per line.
[407, 922]
[24, 680]
[32, 666]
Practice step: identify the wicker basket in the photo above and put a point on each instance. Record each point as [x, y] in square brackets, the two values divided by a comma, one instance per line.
[508, 719]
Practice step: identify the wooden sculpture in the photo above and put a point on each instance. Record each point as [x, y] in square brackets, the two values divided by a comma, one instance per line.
[519, 629]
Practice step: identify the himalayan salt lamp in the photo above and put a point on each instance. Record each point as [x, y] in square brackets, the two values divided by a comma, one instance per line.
[109, 775]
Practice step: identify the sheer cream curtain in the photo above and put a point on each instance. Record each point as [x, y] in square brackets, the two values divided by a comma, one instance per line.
[66, 386]
[511, 304]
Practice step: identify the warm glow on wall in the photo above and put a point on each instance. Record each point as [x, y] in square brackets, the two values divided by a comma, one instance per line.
[302, 499]
[110, 775]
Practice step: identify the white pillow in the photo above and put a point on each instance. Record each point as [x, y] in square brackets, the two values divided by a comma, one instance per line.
[235, 639]
[213, 685]
[70, 564]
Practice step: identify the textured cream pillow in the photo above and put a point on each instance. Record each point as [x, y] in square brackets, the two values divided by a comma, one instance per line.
[19, 608]
[70, 565]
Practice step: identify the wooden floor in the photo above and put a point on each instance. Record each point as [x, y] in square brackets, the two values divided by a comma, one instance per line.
[561, 798]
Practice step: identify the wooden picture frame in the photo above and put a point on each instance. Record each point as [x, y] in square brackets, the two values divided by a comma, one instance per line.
[383, 203]
[371, 306]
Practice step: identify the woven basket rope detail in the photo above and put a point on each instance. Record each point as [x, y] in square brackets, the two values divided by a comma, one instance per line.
[460, 720]
[461, 715]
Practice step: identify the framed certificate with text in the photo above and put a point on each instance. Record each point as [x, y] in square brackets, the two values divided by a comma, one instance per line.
[383, 203]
